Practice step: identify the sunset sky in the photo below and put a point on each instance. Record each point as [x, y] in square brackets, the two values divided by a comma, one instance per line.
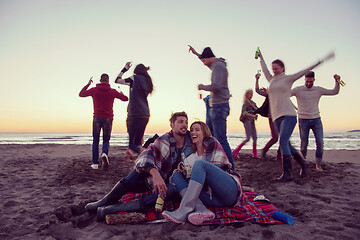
[49, 49]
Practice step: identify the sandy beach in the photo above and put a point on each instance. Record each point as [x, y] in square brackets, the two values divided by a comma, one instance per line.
[44, 189]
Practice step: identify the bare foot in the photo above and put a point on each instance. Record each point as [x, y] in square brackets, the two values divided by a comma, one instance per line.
[319, 168]
[129, 154]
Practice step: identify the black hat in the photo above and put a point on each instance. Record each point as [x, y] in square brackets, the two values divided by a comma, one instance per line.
[207, 53]
[310, 74]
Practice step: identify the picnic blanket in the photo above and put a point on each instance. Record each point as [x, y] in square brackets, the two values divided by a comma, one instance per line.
[249, 211]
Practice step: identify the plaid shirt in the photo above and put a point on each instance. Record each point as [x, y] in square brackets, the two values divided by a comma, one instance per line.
[162, 155]
[215, 154]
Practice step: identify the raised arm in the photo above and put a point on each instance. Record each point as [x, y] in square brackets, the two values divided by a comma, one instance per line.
[84, 92]
[298, 75]
[119, 78]
[193, 51]
[264, 68]
[336, 88]
[259, 91]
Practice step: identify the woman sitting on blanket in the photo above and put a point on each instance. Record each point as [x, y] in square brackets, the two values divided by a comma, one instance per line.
[205, 178]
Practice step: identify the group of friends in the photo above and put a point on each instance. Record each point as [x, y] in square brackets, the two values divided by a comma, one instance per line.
[196, 166]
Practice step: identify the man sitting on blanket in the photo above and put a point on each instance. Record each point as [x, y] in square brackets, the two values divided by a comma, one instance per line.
[152, 170]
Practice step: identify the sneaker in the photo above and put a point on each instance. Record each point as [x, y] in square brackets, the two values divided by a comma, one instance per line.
[94, 166]
[105, 160]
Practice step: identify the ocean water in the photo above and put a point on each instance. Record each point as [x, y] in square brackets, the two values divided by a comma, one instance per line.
[332, 141]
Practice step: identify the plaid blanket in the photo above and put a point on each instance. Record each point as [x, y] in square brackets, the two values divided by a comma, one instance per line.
[249, 211]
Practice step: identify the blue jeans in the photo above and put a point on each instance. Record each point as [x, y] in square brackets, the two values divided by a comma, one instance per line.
[136, 182]
[317, 128]
[208, 116]
[106, 125]
[250, 131]
[136, 128]
[218, 114]
[224, 190]
[285, 126]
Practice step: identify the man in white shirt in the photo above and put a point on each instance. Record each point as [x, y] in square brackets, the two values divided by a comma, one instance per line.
[308, 97]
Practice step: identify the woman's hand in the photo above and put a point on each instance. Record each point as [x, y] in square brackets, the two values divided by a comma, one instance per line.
[158, 181]
[263, 90]
[181, 167]
[128, 65]
[331, 55]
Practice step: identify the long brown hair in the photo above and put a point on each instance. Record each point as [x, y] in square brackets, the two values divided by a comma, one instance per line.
[204, 128]
[140, 69]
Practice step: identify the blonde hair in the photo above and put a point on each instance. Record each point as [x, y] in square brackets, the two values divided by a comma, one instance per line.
[246, 93]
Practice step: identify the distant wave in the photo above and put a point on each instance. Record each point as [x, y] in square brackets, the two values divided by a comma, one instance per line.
[349, 140]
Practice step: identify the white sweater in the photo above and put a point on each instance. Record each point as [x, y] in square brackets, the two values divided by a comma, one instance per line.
[308, 99]
[279, 91]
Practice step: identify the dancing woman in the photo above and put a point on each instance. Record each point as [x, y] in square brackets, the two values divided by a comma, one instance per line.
[283, 111]
[248, 117]
[138, 108]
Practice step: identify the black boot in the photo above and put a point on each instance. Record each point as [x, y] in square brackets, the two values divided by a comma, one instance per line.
[133, 206]
[286, 176]
[303, 163]
[119, 190]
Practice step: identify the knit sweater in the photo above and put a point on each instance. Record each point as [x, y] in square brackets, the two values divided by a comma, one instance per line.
[308, 99]
[279, 90]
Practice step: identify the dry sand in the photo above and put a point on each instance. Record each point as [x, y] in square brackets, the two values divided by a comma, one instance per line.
[45, 187]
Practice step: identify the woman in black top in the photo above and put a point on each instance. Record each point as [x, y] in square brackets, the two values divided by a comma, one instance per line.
[138, 108]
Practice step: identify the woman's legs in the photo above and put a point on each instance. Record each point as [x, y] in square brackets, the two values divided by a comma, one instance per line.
[141, 124]
[224, 190]
[248, 132]
[272, 141]
[254, 137]
[285, 126]
[136, 128]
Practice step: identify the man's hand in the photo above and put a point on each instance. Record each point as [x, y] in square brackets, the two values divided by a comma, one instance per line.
[90, 81]
[158, 181]
[337, 77]
[191, 49]
[200, 87]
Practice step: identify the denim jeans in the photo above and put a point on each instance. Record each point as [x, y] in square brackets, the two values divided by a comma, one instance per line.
[136, 182]
[317, 128]
[250, 131]
[224, 190]
[208, 116]
[136, 128]
[106, 125]
[285, 126]
[218, 114]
